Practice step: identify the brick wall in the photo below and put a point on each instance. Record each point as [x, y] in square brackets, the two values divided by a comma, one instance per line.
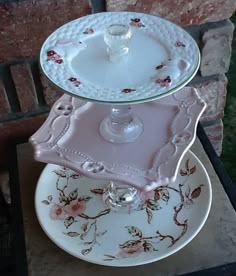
[26, 95]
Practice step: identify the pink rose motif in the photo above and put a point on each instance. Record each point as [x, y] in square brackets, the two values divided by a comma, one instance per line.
[75, 208]
[131, 251]
[50, 53]
[57, 212]
[89, 31]
[127, 90]
[75, 81]
[136, 22]
[72, 79]
[164, 82]
[160, 66]
[179, 44]
[53, 56]
[59, 61]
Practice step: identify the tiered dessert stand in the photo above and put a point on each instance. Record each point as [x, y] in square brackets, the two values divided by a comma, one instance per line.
[121, 187]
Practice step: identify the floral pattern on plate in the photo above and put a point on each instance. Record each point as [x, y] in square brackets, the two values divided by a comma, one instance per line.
[78, 213]
[160, 66]
[69, 206]
[136, 22]
[127, 90]
[164, 82]
[74, 81]
[89, 31]
[179, 43]
[138, 242]
[53, 56]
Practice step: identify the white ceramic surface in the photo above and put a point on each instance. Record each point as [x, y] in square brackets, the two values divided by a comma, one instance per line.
[162, 59]
[71, 212]
[70, 137]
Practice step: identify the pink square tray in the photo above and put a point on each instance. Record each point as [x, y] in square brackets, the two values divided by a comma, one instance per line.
[70, 137]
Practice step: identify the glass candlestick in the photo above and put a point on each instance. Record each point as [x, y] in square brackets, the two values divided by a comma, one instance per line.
[121, 125]
[120, 197]
[117, 38]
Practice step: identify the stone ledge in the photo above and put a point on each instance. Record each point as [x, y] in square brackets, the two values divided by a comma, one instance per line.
[213, 91]
[216, 49]
[214, 131]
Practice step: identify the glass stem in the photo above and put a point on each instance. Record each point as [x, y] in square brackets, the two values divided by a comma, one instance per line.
[120, 117]
[121, 125]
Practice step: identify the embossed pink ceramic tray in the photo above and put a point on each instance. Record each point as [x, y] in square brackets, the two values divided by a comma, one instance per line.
[70, 138]
[71, 211]
[162, 59]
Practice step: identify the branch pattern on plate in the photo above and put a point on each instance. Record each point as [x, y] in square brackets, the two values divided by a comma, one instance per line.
[122, 239]
[70, 207]
[139, 243]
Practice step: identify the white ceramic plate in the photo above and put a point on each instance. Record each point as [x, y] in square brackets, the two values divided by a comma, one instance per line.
[71, 212]
[162, 59]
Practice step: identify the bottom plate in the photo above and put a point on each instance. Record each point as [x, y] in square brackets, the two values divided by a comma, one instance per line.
[71, 211]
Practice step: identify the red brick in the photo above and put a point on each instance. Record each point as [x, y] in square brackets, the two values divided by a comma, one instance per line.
[216, 49]
[182, 12]
[215, 135]
[4, 104]
[24, 25]
[51, 93]
[213, 92]
[22, 76]
[15, 129]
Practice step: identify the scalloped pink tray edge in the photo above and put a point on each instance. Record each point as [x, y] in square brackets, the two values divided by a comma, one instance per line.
[70, 137]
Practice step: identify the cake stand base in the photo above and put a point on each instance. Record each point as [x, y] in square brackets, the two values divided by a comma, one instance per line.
[72, 212]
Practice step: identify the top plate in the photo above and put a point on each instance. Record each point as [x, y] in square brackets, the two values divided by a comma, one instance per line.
[162, 59]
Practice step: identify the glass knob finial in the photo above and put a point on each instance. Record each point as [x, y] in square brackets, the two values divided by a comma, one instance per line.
[117, 37]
